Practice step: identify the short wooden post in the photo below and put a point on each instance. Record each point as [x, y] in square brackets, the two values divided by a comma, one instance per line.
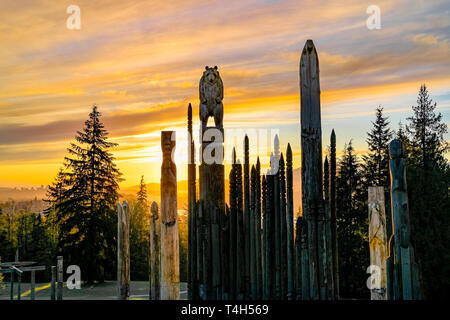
[11, 293]
[298, 261]
[377, 240]
[60, 278]
[155, 253]
[123, 251]
[303, 234]
[19, 280]
[53, 284]
[33, 279]
[225, 253]
[232, 227]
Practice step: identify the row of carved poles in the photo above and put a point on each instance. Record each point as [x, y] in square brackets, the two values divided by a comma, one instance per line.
[254, 255]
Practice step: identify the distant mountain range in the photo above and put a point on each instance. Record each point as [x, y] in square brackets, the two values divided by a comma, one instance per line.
[153, 191]
[22, 194]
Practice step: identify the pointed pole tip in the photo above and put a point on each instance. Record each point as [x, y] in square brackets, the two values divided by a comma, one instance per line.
[309, 47]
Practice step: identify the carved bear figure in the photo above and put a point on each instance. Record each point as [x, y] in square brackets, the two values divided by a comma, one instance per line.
[211, 95]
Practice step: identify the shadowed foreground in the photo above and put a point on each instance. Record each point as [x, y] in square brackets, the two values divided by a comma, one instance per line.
[103, 291]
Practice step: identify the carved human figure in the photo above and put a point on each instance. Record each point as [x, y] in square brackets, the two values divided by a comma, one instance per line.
[211, 96]
[378, 240]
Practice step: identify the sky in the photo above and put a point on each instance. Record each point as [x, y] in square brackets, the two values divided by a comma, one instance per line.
[141, 62]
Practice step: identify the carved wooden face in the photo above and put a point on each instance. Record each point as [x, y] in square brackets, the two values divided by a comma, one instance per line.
[396, 148]
[166, 143]
[211, 75]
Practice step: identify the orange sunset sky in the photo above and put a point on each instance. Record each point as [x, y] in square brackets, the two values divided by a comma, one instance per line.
[141, 61]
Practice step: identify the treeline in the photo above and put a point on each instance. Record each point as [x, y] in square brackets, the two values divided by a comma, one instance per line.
[428, 179]
[80, 222]
[31, 235]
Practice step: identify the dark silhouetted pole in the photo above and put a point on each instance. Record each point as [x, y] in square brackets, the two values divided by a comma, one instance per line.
[291, 282]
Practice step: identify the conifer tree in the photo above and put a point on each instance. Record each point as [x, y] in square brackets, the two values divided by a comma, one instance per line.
[352, 226]
[428, 178]
[85, 212]
[142, 193]
[139, 235]
[376, 163]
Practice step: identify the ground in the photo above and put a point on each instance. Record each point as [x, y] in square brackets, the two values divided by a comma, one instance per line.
[104, 291]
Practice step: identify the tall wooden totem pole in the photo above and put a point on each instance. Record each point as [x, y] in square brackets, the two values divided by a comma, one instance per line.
[170, 259]
[313, 203]
[212, 182]
[402, 270]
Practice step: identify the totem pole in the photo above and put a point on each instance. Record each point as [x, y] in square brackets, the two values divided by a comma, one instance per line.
[313, 205]
[212, 180]
[170, 259]
[403, 272]
[155, 253]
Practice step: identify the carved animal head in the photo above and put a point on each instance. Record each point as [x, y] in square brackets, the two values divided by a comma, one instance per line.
[211, 75]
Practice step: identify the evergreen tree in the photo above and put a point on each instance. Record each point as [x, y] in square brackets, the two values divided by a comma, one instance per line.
[426, 131]
[402, 135]
[428, 178]
[142, 193]
[376, 163]
[85, 211]
[139, 234]
[352, 226]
